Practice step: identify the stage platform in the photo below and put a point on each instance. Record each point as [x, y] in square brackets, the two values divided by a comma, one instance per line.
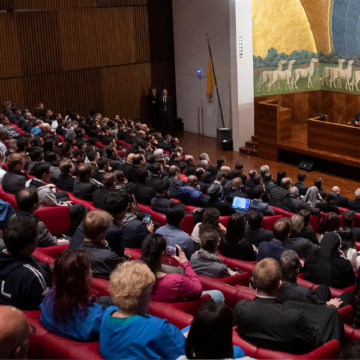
[298, 144]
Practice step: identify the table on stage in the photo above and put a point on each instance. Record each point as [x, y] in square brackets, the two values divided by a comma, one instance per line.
[337, 138]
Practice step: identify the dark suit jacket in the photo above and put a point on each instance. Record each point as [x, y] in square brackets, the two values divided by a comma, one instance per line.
[354, 205]
[129, 139]
[277, 196]
[209, 177]
[301, 246]
[160, 204]
[98, 175]
[257, 320]
[224, 208]
[143, 193]
[84, 190]
[169, 104]
[302, 188]
[356, 232]
[294, 205]
[257, 236]
[203, 187]
[269, 186]
[342, 201]
[153, 103]
[153, 181]
[98, 198]
[65, 183]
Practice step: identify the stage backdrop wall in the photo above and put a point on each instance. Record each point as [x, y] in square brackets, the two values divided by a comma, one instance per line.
[86, 54]
[305, 45]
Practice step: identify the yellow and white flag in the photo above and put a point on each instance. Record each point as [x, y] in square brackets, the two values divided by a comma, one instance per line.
[210, 88]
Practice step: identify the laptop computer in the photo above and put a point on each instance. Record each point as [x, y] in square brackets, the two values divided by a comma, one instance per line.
[241, 204]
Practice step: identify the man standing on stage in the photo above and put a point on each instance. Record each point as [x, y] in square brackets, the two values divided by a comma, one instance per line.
[166, 105]
[153, 106]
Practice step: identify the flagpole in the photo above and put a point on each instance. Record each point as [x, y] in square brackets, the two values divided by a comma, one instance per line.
[217, 90]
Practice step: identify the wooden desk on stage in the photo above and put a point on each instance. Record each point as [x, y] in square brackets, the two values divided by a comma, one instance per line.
[274, 126]
[336, 138]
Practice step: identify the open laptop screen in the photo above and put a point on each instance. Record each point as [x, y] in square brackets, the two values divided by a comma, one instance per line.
[241, 203]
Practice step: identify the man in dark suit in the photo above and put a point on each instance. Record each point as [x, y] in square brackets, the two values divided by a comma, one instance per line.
[280, 193]
[264, 323]
[165, 108]
[153, 107]
[341, 201]
[290, 290]
[254, 231]
[250, 182]
[209, 176]
[166, 143]
[300, 184]
[293, 203]
[155, 175]
[143, 193]
[349, 219]
[355, 204]
[138, 161]
[174, 181]
[161, 202]
[130, 137]
[269, 182]
[200, 174]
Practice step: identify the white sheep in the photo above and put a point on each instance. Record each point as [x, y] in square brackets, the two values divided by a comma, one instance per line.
[265, 76]
[338, 74]
[304, 73]
[282, 75]
[355, 80]
[327, 71]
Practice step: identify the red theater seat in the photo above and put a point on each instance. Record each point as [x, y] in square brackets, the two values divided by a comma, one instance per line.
[330, 350]
[188, 224]
[122, 153]
[75, 200]
[7, 143]
[56, 219]
[123, 143]
[135, 253]
[224, 220]
[9, 198]
[351, 333]
[49, 254]
[269, 221]
[61, 138]
[5, 167]
[282, 212]
[99, 144]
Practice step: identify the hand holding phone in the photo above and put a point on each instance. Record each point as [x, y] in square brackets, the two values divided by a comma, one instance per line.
[147, 219]
[180, 255]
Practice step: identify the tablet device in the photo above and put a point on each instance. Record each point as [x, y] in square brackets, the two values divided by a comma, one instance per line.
[241, 203]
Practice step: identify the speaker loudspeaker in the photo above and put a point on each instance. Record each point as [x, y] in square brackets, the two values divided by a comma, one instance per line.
[306, 165]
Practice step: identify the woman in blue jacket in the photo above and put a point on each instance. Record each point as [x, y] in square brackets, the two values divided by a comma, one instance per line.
[69, 309]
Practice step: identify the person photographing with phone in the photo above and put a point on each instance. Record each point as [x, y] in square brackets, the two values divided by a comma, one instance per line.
[172, 287]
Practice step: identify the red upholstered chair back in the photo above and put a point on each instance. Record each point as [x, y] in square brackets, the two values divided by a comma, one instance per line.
[61, 138]
[188, 224]
[49, 254]
[224, 220]
[282, 212]
[123, 143]
[269, 221]
[9, 198]
[56, 219]
[5, 167]
[99, 144]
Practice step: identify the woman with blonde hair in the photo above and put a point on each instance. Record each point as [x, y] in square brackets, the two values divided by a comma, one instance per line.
[295, 242]
[126, 331]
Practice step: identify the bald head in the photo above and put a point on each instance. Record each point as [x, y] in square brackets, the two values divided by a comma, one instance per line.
[14, 333]
[336, 189]
[294, 192]
[236, 183]
[192, 181]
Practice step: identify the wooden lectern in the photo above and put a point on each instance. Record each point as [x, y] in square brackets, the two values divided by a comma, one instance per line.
[274, 125]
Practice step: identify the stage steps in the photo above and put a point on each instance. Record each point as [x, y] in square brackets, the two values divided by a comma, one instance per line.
[251, 147]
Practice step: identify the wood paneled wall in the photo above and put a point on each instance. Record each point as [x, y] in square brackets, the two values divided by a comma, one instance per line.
[305, 105]
[86, 54]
